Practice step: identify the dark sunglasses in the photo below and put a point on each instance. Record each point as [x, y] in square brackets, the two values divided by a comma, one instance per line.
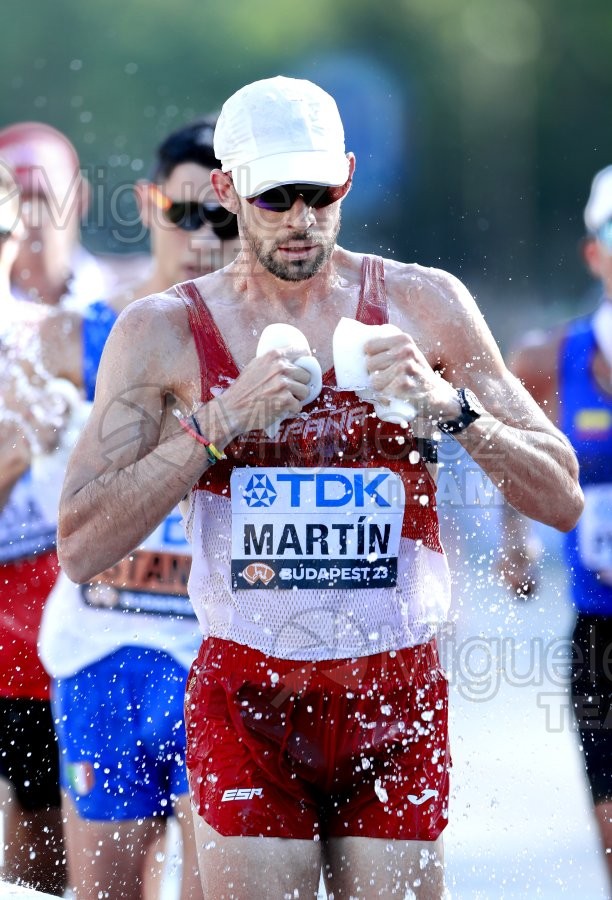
[191, 215]
[282, 198]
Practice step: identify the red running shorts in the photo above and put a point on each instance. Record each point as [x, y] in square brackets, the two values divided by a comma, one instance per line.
[282, 748]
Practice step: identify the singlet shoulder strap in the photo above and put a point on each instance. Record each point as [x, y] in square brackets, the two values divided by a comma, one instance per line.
[372, 308]
[211, 348]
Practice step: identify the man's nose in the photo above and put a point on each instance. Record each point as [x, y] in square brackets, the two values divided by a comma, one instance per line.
[205, 236]
[301, 215]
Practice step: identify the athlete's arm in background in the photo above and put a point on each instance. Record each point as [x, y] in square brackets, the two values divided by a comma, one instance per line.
[34, 410]
[535, 362]
[133, 462]
[15, 453]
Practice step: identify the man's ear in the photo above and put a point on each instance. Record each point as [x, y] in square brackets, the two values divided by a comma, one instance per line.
[591, 256]
[352, 164]
[223, 187]
[349, 180]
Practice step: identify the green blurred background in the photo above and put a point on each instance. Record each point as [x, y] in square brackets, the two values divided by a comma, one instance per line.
[477, 124]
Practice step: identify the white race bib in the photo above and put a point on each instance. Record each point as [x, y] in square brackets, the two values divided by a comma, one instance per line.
[27, 525]
[595, 528]
[315, 528]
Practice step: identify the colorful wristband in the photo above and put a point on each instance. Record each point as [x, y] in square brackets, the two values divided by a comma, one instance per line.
[195, 432]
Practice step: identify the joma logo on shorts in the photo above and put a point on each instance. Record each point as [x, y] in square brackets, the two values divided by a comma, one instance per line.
[241, 794]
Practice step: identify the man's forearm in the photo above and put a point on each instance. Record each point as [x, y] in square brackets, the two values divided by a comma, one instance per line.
[16, 456]
[518, 552]
[536, 471]
[112, 514]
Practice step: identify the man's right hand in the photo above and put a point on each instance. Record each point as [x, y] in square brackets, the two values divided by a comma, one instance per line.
[269, 388]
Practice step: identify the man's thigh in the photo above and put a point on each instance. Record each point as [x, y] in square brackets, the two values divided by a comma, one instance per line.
[241, 868]
[376, 867]
[107, 856]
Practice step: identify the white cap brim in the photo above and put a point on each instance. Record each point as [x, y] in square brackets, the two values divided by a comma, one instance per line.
[599, 208]
[298, 167]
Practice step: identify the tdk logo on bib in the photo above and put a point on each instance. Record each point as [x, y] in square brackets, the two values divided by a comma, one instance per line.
[335, 489]
[259, 491]
[324, 528]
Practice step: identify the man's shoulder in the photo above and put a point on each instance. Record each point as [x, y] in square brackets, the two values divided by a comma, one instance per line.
[427, 291]
[159, 303]
[161, 316]
[149, 344]
[430, 278]
[402, 274]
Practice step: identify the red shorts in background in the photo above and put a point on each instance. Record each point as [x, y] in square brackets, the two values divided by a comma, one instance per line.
[24, 588]
[282, 748]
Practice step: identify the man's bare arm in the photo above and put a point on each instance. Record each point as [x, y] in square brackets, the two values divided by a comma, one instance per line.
[15, 454]
[535, 362]
[525, 456]
[34, 410]
[518, 447]
[133, 462]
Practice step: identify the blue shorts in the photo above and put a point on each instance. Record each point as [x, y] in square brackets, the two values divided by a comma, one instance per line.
[121, 734]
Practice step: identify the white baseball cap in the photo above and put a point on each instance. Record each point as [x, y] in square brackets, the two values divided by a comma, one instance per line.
[599, 206]
[281, 131]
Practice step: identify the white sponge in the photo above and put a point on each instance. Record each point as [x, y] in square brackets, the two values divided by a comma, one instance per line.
[280, 336]
[352, 373]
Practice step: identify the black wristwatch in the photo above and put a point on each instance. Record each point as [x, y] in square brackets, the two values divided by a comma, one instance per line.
[471, 409]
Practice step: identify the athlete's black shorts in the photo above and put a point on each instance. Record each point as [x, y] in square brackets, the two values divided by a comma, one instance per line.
[591, 697]
[29, 757]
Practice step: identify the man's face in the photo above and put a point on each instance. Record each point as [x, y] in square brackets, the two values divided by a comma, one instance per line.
[45, 254]
[292, 245]
[180, 254]
[598, 255]
[54, 198]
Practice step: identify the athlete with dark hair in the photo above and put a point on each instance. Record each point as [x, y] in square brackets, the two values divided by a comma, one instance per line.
[569, 372]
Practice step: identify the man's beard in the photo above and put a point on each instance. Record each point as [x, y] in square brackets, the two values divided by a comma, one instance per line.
[293, 270]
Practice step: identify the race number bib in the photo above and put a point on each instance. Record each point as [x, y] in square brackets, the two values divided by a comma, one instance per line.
[27, 528]
[146, 581]
[315, 528]
[595, 528]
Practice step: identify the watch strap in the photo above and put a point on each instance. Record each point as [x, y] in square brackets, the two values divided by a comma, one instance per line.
[465, 417]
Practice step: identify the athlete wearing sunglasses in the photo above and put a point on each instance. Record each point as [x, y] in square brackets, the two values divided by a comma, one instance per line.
[306, 628]
[568, 370]
[315, 196]
[190, 215]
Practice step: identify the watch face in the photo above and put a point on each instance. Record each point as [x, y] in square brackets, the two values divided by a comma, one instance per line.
[473, 402]
[471, 409]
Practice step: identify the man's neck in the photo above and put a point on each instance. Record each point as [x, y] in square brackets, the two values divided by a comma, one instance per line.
[258, 285]
[40, 291]
[154, 284]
